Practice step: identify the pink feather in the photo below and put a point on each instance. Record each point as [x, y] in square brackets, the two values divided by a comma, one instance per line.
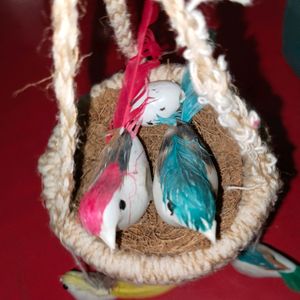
[95, 200]
[136, 73]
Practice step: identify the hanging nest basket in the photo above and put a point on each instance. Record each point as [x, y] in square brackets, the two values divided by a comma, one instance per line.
[151, 251]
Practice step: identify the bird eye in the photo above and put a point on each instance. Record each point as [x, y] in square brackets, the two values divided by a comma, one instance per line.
[122, 204]
[162, 109]
[150, 123]
[170, 207]
[65, 286]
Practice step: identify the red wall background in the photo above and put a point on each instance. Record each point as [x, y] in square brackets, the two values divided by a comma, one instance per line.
[32, 259]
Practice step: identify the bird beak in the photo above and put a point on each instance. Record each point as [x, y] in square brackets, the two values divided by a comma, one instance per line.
[211, 233]
[111, 217]
[109, 237]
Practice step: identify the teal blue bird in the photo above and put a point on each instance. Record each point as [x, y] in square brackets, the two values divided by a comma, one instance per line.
[261, 261]
[185, 181]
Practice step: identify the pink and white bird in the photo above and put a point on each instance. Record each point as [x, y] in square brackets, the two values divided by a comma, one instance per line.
[121, 190]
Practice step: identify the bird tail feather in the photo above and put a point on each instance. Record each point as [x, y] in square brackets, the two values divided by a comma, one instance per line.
[137, 72]
[292, 279]
[191, 105]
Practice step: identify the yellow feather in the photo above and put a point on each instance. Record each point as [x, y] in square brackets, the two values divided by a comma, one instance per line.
[128, 290]
[75, 281]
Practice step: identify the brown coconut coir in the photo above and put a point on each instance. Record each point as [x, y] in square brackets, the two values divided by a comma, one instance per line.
[151, 235]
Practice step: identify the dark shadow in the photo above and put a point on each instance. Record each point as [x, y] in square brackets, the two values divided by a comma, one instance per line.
[166, 39]
[244, 64]
[83, 106]
[161, 29]
[105, 59]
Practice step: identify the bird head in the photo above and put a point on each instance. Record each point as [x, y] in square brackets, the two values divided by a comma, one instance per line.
[99, 209]
[95, 286]
[111, 218]
[163, 100]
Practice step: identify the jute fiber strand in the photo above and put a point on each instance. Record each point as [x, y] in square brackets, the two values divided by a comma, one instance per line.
[57, 163]
[211, 80]
[119, 20]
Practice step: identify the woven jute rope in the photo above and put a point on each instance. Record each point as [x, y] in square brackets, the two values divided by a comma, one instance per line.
[120, 22]
[63, 142]
[211, 80]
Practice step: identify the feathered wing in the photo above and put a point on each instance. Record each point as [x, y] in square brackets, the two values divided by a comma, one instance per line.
[116, 151]
[108, 180]
[190, 105]
[292, 279]
[183, 178]
[187, 175]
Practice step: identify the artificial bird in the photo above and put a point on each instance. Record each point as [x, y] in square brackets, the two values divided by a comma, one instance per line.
[121, 191]
[259, 260]
[185, 182]
[96, 286]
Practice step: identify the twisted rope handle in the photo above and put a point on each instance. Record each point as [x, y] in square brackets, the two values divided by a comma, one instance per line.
[120, 21]
[65, 56]
[212, 80]
[210, 77]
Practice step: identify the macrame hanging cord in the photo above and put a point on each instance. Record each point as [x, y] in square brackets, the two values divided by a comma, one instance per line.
[65, 57]
[211, 79]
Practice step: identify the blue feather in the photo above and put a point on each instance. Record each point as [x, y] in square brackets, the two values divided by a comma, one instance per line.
[266, 259]
[254, 257]
[171, 121]
[184, 179]
[182, 164]
[190, 105]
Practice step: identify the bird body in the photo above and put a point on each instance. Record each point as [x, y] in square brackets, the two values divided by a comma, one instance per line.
[121, 191]
[261, 261]
[98, 286]
[185, 182]
[137, 186]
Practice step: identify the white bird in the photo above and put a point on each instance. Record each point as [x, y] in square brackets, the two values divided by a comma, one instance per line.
[120, 193]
